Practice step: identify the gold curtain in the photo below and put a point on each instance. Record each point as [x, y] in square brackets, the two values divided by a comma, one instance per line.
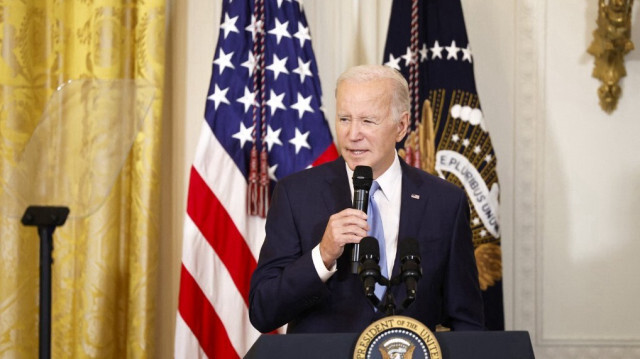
[104, 275]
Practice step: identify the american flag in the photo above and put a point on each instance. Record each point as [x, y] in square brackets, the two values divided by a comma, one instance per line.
[264, 102]
[427, 41]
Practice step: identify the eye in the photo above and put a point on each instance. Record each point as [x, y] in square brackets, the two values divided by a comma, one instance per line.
[344, 119]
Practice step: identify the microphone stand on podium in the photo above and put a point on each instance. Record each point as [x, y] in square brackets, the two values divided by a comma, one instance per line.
[70, 164]
[369, 273]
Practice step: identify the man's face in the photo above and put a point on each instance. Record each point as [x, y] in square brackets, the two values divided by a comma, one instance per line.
[367, 134]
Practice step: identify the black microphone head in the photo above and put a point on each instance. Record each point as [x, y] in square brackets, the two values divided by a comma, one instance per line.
[409, 248]
[362, 177]
[369, 249]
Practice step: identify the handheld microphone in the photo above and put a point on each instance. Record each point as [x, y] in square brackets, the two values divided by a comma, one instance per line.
[370, 270]
[410, 271]
[362, 179]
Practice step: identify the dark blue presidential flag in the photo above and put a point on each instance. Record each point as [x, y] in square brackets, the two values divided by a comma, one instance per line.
[263, 121]
[427, 42]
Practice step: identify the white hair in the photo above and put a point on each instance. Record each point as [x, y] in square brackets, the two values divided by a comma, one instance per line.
[400, 101]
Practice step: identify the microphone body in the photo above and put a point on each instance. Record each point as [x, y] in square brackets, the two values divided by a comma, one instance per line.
[369, 270]
[361, 199]
[362, 179]
[410, 270]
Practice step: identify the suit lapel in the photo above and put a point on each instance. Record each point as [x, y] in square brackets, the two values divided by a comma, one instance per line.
[337, 192]
[412, 205]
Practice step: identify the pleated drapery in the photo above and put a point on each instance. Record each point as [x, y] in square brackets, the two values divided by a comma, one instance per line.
[104, 276]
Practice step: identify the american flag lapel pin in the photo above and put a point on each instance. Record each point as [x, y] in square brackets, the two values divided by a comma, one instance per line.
[415, 196]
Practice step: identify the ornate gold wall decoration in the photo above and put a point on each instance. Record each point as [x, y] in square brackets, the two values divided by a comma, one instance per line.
[611, 41]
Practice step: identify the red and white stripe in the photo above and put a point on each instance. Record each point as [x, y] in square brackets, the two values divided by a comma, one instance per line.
[220, 249]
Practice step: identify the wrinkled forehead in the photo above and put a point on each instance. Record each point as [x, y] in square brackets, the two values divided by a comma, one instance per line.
[363, 98]
[383, 85]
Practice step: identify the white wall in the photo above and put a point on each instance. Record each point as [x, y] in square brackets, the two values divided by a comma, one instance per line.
[590, 187]
[570, 174]
[577, 190]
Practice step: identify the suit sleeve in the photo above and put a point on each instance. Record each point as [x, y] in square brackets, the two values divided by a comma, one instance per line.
[285, 283]
[463, 299]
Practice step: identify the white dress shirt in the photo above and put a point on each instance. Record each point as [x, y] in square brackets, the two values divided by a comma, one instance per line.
[388, 200]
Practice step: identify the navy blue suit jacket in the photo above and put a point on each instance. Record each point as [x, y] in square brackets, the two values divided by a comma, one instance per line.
[285, 287]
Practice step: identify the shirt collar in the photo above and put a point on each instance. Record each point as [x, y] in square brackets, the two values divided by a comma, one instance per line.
[389, 181]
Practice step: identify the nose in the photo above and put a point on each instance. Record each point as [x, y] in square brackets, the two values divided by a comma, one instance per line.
[354, 132]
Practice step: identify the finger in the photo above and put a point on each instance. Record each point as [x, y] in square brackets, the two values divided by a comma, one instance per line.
[351, 238]
[355, 230]
[351, 220]
[352, 212]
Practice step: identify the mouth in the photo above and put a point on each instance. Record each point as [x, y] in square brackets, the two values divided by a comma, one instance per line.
[357, 152]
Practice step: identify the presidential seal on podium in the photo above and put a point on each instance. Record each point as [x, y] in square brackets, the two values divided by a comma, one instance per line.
[397, 337]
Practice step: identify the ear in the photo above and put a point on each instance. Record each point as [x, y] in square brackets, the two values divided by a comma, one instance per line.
[402, 126]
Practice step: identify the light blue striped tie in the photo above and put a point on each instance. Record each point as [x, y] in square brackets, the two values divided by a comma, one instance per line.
[376, 230]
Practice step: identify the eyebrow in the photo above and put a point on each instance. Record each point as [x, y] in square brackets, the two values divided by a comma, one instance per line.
[367, 117]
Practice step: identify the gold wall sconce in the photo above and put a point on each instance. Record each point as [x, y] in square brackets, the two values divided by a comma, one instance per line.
[611, 41]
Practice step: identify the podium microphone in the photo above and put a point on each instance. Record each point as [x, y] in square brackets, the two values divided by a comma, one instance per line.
[410, 271]
[370, 270]
[362, 179]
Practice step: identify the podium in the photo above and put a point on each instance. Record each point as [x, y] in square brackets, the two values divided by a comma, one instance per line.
[453, 345]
